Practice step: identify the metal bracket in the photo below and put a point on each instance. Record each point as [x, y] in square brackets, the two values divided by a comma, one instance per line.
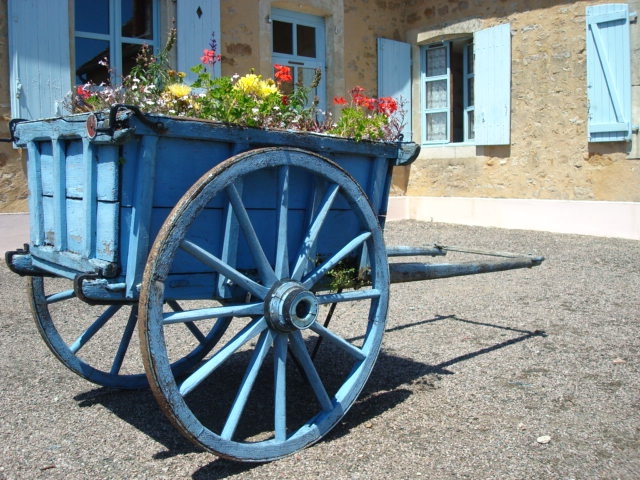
[12, 130]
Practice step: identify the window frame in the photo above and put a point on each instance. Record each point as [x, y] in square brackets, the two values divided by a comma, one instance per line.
[115, 38]
[468, 76]
[424, 80]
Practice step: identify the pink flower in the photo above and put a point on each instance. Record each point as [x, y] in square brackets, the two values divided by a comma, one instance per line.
[209, 57]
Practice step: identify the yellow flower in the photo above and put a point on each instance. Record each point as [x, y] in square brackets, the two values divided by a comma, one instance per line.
[179, 90]
[252, 84]
[268, 87]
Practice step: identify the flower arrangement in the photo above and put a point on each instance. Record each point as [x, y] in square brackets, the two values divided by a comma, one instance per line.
[249, 100]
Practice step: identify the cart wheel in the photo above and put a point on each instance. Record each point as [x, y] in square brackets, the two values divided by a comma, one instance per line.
[262, 394]
[95, 341]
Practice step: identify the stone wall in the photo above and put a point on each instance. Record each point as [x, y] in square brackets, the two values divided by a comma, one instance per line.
[13, 183]
[549, 156]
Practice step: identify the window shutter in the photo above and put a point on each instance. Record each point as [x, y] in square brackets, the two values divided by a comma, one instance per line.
[40, 75]
[394, 75]
[609, 73]
[196, 21]
[492, 91]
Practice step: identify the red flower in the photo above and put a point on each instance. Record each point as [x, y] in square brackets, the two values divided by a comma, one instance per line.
[283, 73]
[209, 57]
[361, 100]
[339, 101]
[364, 101]
[82, 93]
[387, 105]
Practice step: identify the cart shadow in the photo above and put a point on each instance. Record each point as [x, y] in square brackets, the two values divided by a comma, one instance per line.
[390, 384]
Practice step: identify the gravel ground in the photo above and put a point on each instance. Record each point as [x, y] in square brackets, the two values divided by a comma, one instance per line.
[512, 375]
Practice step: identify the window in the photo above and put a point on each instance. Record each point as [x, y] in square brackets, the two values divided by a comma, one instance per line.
[49, 49]
[466, 89]
[448, 92]
[112, 29]
[298, 42]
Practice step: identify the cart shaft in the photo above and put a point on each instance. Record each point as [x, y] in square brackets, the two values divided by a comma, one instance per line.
[412, 272]
[417, 271]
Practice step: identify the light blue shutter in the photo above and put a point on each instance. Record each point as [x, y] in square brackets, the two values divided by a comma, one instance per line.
[492, 91]
[196, 21]
[608, 73]
[39, 58]
[394, 76]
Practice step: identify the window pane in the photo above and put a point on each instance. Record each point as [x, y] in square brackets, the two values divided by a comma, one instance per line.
[137, 19]
[437, 127]
[471, 100]
[88, 53]
[129, 54]
[306, 41]
[471, 125]
[282, 37]
[436, 61]
[305, 77]
[437, 94]
[92, 16]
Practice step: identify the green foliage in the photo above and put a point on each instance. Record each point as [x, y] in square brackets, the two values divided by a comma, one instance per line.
[248, 100]
[356, 123]
[346, 275]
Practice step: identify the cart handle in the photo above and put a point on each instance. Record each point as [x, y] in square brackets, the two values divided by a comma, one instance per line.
[118, 114]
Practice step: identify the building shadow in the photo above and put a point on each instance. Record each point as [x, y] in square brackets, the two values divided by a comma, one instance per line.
[386, 388]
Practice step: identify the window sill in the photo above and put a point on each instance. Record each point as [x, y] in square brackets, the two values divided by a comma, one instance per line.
[449, 151]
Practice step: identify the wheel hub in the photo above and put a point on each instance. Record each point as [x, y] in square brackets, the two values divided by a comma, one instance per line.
[290, 307]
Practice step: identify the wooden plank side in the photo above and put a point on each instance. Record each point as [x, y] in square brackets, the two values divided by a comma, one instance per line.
[394, 76]
[39, 49]
[608, 72]
[492, 67]
[197, 20]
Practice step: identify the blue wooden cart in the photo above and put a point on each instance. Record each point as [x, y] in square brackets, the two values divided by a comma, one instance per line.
[229, 248]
